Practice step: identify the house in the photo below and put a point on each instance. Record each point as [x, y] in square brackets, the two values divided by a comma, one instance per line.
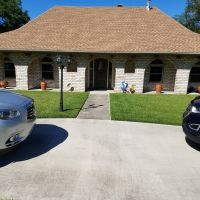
[107, 45]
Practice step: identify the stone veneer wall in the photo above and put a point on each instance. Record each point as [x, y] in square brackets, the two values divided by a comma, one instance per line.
[87, 76]
[21, 62]
[76, 80]
[175, 77]
[28, 71]
[168, 78]
[35, 75]
[136, 78]
[11, 81]
[183, 66]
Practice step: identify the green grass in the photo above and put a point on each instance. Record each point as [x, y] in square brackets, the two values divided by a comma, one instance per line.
[151, 108]
[47, 103]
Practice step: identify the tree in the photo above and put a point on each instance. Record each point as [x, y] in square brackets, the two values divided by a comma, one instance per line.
[12, 15]
[191, 16]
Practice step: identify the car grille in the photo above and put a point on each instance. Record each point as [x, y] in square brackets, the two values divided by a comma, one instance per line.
[31, 113]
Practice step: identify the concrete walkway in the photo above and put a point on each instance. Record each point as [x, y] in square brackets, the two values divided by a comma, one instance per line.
[97, 106]
[75, 159]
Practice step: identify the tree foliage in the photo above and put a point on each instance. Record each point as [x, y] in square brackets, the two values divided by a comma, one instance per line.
[191, 16]
[12, 15]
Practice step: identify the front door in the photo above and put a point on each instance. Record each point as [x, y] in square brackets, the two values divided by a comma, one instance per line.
[100, 74]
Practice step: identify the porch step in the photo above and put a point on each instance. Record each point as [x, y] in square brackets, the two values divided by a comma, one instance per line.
[96, 107]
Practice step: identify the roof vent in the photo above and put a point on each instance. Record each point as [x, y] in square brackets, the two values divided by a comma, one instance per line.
[120, 5]
[148, 5]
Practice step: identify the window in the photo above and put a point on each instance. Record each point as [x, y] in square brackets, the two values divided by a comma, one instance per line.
[47, 69]
[129, 67]
[195, 73]
[72, 67]
[9, 68]
[156, 71]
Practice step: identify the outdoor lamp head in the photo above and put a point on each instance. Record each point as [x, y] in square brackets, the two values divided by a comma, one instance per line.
[69, 60]
[59, 60]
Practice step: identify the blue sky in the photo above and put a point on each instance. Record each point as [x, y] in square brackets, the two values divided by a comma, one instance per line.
[37, 7]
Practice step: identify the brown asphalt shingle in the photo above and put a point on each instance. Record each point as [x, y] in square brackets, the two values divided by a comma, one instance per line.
[103, 29]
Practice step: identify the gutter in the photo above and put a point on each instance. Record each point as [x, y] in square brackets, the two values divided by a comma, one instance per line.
[97, 52]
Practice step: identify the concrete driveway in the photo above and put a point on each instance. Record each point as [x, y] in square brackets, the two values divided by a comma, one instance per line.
[78, 159]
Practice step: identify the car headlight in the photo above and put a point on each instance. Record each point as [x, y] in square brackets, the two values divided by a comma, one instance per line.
[9, 114]
[195, 109]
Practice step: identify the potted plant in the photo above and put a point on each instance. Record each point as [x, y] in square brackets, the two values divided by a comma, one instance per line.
[43, 85]
[198, 89]
[4, 84]
[159, 88]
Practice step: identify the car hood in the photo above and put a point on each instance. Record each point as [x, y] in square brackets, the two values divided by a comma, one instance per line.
[11, 99]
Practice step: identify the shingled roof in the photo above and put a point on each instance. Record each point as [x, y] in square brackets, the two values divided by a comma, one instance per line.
[103, 29]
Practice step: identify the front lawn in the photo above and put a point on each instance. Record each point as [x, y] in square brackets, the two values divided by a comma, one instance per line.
[47, 103]
[151, 108]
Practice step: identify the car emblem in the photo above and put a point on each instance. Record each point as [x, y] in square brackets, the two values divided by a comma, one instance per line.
[195, 127]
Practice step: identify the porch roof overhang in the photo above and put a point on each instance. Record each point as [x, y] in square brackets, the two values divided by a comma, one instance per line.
[96, 52]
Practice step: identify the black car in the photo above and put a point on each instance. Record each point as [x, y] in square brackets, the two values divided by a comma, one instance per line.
[191, 120]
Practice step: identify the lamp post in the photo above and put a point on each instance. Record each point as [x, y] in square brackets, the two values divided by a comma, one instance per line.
[61, 63]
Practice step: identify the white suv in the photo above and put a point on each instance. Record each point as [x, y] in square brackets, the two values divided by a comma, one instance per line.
[17, 118]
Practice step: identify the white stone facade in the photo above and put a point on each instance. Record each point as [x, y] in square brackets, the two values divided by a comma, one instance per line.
[28, 71]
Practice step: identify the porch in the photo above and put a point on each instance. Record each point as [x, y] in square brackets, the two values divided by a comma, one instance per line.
[101, 71]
